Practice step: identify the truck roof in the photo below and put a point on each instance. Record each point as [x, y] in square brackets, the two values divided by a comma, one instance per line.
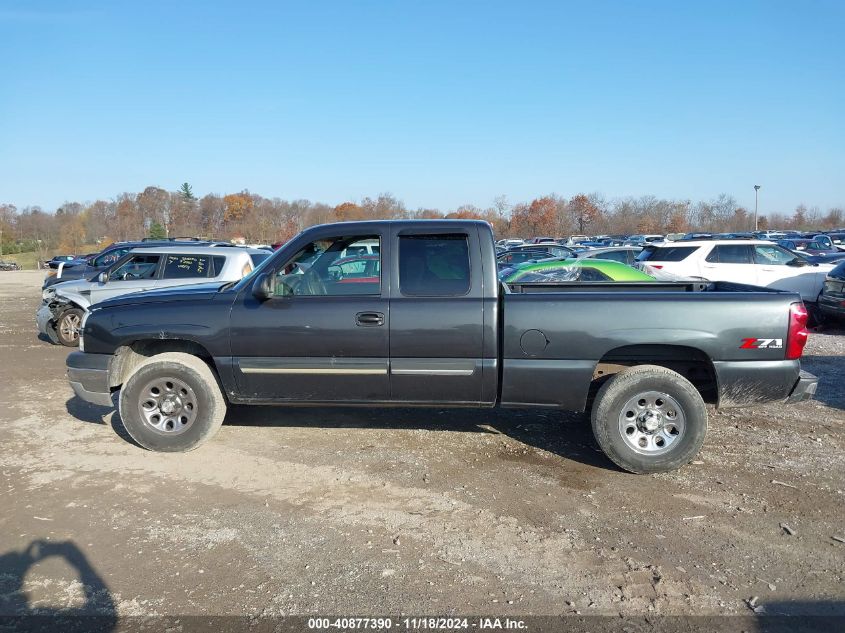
[371, 224]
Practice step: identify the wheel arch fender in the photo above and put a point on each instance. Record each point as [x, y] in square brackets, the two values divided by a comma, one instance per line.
[690, 362]
[131, 354]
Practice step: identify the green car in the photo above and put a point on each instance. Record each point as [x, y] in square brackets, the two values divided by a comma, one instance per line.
[572, 270]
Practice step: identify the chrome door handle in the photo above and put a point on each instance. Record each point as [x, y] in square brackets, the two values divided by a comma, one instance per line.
[369, 319]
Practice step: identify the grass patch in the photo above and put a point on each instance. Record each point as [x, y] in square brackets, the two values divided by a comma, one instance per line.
[29, 259]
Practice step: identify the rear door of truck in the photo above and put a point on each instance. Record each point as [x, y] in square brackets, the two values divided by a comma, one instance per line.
[437, 312]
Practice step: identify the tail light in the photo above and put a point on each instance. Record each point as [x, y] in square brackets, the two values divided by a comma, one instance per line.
[796, 337]
[657, 266]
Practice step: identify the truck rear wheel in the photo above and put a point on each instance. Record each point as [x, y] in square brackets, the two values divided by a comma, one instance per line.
[649, 419]
[172, 403]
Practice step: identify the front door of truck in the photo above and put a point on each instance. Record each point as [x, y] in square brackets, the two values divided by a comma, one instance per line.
[436, 317]
[323, 336]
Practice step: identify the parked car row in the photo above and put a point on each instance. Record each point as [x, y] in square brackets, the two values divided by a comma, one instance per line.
[788, 261]
[830, 241]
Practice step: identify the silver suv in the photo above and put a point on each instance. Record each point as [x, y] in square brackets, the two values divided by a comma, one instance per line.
[64, 304]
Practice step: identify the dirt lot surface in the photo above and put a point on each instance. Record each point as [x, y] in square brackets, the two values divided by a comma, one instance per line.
[380, 512]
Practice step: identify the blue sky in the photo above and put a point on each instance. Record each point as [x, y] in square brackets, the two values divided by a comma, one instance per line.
[439, 103]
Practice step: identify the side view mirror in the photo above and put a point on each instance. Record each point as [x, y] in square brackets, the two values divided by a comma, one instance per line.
[264, 287]
[103, 278]
[797, 262]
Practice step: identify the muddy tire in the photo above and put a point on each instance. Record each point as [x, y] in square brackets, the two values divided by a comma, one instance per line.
[67, 327]
[649, 419]
[172, 402]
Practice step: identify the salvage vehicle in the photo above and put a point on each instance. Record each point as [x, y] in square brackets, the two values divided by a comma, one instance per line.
[809, 246]
[64, 304]
[68, 261]
[511, 258]
[355, 269]
[572, 270]
[625, 254]
[435, 327]
[832, 299]
[85, 269]
[754, 262]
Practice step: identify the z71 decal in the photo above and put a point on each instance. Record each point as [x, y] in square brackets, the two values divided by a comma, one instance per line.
[761, 343]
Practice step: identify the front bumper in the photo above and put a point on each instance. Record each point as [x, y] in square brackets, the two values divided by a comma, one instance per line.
[804, 389]
[43, 318]
[832, 306]
[89, 377]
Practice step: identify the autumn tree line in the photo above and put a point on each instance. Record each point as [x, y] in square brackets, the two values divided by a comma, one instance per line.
[156, 212]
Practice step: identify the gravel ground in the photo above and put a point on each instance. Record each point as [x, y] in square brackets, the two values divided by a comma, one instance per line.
[380, 512]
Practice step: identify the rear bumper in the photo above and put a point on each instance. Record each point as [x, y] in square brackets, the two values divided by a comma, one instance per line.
[804, 389]
[746, 383]
[88, 375]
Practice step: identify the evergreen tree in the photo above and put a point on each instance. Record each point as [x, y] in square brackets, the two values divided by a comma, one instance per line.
[157, 231]
[187, 191]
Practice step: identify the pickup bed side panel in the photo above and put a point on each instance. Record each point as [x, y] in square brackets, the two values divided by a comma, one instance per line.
[553, 341]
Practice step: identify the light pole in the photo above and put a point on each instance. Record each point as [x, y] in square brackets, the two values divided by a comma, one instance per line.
[756, 189]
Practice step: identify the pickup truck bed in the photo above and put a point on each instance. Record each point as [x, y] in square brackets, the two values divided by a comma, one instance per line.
[432, 326]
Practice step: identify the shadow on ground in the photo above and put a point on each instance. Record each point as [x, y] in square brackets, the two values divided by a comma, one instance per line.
[830, 371]
[97, 613]
[563, 433]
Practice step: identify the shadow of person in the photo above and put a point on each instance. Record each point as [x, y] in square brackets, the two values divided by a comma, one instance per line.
[97, 613]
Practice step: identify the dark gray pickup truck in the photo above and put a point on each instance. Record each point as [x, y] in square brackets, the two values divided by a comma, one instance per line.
[411, 313]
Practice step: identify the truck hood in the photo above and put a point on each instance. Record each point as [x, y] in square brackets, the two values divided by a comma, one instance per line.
[167, 295]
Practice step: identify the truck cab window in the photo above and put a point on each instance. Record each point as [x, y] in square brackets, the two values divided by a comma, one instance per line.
[434, 265]
[333, 267]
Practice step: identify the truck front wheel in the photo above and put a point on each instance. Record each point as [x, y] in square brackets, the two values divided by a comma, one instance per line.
[649, 419]
[172, 403]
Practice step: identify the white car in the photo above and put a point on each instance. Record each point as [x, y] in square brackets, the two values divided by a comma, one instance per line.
[64, 304]
[752, 262]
